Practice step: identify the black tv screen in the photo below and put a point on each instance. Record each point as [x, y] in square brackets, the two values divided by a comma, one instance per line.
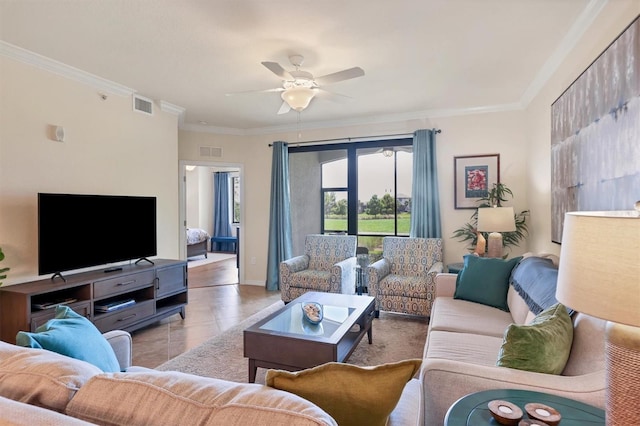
[79, 231]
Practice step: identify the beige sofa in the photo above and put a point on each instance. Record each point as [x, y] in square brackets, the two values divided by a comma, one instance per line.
[459, 358]
[39, 387]
[42, 387]
[462, 349]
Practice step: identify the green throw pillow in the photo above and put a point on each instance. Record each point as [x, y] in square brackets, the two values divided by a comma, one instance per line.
[72, 335]
[542, 346]
[352, 395]
[485, 280]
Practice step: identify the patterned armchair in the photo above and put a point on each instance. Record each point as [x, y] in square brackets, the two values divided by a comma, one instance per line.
[328, 265]
[404, 279]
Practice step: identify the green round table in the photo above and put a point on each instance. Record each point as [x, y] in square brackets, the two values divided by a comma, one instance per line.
[473, 410]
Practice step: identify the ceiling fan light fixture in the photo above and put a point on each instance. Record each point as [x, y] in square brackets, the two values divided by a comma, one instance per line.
[298, 98]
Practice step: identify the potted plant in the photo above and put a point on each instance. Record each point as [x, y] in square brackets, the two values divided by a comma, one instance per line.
[3, 271]
[495, 197]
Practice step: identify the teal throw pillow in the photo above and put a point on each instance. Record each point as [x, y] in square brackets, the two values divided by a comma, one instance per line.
[485, 280]
[542, 346]
[72, 335]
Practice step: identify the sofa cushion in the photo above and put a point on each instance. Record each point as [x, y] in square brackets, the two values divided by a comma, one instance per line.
[41, 377]
[72, 335]
[485, 280]
[587, 354]
[543, 346]
[173, 398]
[16, 413]
[350, 394]
[464, 347]
[450, 314]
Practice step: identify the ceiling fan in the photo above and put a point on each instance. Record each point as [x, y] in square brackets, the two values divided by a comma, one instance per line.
[300, 87]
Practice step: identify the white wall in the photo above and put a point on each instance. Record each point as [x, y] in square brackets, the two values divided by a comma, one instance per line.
[192, 195]
[200, 198]
[109, 149]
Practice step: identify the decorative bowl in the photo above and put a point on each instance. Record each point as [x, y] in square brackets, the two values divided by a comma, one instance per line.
[312, 312]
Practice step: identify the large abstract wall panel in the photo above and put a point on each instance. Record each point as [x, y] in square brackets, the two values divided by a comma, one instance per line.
[595, 135]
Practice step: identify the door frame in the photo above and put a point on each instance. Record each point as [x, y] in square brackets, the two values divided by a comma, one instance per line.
[182, 210]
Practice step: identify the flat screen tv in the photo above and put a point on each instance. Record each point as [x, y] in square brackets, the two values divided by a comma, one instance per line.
[78, 231]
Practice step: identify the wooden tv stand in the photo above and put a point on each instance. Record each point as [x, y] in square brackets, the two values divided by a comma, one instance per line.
[158, 291]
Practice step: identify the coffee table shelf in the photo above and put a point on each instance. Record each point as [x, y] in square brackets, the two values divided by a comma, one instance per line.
[284, 340]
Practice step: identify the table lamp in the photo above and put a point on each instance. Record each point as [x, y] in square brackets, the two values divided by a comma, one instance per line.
[599, 275]
[496, 220]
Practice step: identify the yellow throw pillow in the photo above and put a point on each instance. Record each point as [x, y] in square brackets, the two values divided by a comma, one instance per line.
[352, 395]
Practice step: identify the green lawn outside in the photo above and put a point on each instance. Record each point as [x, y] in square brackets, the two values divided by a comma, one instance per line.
[372, 226]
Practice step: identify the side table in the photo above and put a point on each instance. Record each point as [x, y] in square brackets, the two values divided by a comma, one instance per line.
[473, 409]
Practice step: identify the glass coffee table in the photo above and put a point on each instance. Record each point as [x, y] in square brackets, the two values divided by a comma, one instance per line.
[286, 341]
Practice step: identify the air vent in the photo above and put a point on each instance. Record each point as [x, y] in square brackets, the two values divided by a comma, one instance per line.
[143, 105]
[210, 151]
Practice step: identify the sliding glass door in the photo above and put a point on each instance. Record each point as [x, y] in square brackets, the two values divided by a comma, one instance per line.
[361, 189]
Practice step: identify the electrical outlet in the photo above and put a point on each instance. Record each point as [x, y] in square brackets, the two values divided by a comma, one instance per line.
[253, 260]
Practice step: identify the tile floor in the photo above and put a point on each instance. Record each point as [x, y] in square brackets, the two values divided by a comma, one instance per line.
[210, 311]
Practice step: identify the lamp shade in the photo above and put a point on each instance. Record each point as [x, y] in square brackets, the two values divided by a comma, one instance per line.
[599, 270]
[298, 98]
[496, 219]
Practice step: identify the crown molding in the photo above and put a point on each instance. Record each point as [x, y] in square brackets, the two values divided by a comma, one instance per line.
[584, 20]
[203, 128]
[358, 121]
[579, 27]
[171, 108]
[31, 58]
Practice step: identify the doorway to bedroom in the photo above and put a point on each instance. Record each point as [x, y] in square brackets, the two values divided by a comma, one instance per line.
[210, 205]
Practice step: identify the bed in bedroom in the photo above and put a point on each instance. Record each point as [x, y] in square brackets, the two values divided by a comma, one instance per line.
[197, 240]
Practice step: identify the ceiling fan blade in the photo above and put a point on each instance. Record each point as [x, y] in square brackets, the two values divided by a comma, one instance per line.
[340, 76]
[250, 92]
[284, 108]
[332, 96]
[277, 69]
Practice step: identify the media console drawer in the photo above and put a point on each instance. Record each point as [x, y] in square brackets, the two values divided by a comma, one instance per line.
[123, 284]
[123, 318]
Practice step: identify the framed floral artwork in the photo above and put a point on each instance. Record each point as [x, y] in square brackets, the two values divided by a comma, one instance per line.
[474, 175]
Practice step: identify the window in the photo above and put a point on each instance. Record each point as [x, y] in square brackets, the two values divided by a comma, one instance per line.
[362, 191]
[235, 198]
[384, 192]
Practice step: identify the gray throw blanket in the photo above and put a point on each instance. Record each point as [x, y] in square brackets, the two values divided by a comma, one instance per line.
[534, 278]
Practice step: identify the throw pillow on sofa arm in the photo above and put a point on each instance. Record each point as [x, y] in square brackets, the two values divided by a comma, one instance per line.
[72, 335]
[542, 346]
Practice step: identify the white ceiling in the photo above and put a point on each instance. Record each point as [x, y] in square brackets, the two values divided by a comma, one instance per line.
[420, 57]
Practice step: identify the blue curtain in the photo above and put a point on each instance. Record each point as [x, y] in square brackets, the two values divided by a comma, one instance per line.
[280, 246]
[425, 199]
[221, 220]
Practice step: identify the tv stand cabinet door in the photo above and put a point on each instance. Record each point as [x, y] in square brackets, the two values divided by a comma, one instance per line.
[171, 280]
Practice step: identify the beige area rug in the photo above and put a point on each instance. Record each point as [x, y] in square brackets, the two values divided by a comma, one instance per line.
[395, 338]
[211, 258]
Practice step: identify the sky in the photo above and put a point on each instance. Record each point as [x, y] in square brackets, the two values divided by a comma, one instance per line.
[375, 175]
